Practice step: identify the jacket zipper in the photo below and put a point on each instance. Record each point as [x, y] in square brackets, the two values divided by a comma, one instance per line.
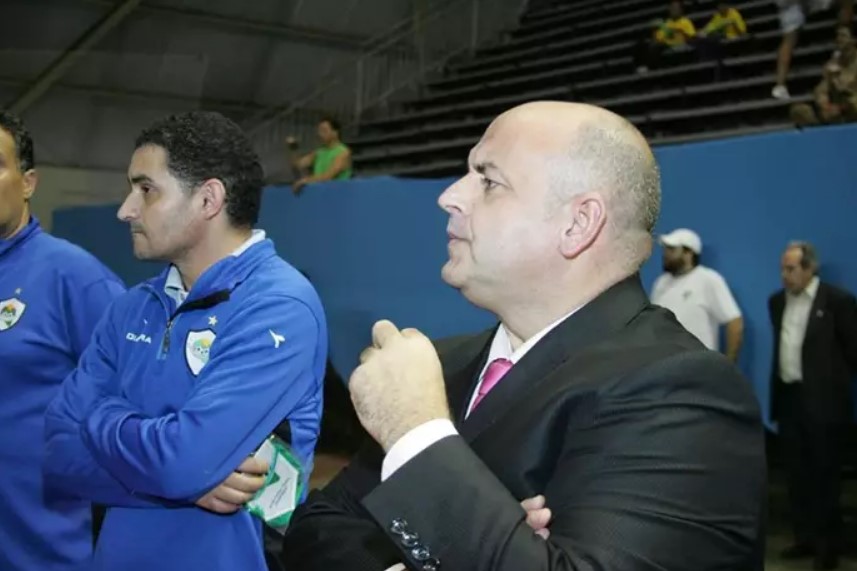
[165, 342]
[202, 303]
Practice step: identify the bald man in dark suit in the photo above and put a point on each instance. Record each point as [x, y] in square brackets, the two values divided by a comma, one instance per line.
[647, 446]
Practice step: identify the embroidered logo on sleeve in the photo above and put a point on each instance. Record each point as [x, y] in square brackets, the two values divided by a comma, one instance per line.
[11, 311]
[197, 349]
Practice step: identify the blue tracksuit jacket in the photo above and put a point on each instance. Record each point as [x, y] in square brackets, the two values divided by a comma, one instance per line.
[52, 294]
[169, 400]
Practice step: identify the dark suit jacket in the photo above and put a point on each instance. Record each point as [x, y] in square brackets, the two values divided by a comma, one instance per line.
[828, 356]
[648, 447]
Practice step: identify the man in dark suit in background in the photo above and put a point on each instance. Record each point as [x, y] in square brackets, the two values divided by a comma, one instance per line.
[647, 447]
[815, 357]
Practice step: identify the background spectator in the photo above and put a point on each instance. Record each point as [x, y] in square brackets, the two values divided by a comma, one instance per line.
[330, 161]
[726, 24]
[814, 359]
[836, 93]
[672, 33]
[698, 296]
[792, 18]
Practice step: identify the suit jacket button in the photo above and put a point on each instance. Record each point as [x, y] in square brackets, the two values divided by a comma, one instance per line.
[421, 553]
[431, 565]
[399, 526]
[410, 539]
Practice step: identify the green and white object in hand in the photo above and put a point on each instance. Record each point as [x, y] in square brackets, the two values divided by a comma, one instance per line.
[276, 501]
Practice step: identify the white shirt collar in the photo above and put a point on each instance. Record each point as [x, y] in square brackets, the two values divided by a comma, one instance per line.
[810, 290]
[174, 287]
[501, 345]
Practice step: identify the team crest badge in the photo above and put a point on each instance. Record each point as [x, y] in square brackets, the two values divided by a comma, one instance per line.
[197, 349]
[11, 311]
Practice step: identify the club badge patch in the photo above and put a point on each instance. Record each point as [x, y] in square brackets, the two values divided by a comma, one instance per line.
[11, 311]
[197, 349]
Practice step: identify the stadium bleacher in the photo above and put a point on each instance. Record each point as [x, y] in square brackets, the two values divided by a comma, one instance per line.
[583, 51]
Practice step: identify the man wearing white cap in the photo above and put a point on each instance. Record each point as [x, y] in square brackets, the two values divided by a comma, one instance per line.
[697, 295]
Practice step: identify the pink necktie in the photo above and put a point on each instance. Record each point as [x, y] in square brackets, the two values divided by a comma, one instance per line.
[495, 371]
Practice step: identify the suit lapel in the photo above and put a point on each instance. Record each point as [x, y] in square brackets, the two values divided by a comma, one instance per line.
[461, 367]
[816, 314]
[778, 308]
[607, 313]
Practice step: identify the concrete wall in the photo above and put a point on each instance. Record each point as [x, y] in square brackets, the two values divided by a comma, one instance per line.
[61, 187]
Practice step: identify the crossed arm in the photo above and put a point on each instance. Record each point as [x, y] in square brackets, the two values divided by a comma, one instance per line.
[658, 481]
[103, 448]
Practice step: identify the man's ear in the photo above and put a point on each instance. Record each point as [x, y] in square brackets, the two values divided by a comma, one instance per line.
[586, 218]
[213, 195]
[31, 180]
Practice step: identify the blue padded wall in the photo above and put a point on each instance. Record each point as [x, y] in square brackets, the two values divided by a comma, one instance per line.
[374, 247]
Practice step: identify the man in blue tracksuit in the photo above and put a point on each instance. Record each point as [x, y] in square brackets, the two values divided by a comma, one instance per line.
[52, 295]
[189, 372]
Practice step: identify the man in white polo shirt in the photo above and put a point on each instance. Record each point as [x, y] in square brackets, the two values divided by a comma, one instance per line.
[697, 295]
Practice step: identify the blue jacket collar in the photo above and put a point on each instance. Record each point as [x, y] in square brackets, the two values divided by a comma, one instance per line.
[32, 229]
[224, 275]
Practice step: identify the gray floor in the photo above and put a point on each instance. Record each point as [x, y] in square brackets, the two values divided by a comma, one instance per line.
[779, 537]
[778, 542]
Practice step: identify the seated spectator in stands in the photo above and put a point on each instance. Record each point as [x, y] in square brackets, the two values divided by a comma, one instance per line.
[836, 93]
[670, 34]
[330, 161]
[792, 18]
[726, 25]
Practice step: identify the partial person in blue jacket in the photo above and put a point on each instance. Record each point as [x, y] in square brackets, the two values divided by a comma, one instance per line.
[191, 371]
[52, 295]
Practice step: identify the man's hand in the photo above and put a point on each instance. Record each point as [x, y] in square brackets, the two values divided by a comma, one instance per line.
[538, 516]
[299, 185]
[238, 489]
[399, 384]
[830, 111]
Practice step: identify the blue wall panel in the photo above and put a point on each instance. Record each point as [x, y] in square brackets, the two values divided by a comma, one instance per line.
[374, 247]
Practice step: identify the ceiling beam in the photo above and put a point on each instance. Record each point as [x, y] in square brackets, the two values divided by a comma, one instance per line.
[300, 34]
[148, 99]
[58, 68]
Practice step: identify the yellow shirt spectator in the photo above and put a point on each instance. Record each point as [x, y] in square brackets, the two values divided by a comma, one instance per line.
[726, 23]
[675, 31]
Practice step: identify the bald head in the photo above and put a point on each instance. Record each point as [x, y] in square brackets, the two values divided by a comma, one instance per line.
[586, 148]
[558, 121]
[558, 203]
[563, 114]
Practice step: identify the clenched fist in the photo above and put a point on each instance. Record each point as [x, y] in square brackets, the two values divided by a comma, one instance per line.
[398, 385]
[238, 489]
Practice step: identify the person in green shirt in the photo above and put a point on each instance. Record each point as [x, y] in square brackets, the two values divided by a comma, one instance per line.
[330, 161]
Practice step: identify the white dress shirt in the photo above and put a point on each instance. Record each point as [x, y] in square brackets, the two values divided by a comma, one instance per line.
[426, 434]
[423, 436]
[793, 330]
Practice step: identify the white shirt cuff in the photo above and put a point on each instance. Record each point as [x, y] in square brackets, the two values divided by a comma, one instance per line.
[397, 567]
[414, 442]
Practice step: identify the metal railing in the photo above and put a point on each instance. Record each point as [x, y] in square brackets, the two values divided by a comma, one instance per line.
[390, 70]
